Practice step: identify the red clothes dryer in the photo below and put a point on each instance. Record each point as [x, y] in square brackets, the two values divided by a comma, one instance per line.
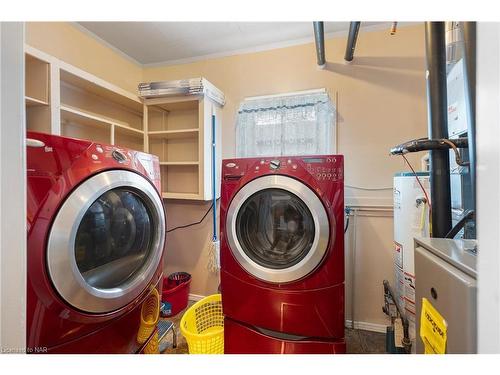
[282, 254]
[96, 234]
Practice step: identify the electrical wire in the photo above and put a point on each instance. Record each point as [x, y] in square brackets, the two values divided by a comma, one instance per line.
[347, 212]
[192, 224]
[420, 183]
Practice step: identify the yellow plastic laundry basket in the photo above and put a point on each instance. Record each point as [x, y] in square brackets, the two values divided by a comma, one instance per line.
[150, 313]
[203, 326]
[153, 346]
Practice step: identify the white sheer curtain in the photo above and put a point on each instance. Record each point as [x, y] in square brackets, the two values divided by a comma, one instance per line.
[301, 124]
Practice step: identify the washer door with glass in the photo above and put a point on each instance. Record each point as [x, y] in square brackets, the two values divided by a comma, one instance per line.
[277, 228]
[106, 241]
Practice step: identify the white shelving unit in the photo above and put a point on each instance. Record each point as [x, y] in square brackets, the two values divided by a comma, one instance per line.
[179, 132]
[64, 100]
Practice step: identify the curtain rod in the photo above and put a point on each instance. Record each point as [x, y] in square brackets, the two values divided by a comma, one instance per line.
[314, 91]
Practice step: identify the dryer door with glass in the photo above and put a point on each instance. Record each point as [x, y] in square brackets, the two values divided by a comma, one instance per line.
[106, 241]
[277, 228]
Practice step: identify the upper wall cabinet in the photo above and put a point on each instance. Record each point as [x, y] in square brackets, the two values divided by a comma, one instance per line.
[179, 132]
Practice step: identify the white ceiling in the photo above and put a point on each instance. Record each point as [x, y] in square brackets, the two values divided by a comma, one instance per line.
[178, 42]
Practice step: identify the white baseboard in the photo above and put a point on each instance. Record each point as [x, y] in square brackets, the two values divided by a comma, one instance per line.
[373, 327]
[195, 297]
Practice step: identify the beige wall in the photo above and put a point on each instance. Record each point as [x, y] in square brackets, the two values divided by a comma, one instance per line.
[381, 102]
[66, 42]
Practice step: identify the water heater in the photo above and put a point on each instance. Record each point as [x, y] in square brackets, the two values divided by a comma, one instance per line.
[411, 219]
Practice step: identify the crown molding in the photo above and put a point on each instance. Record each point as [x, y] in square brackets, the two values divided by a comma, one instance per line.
[107, 44]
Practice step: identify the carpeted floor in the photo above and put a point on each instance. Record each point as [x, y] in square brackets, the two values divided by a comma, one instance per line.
[358, 341]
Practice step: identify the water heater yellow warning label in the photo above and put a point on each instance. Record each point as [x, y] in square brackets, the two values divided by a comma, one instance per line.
[433, 329]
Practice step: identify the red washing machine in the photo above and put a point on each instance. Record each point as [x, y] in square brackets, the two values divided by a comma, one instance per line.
[282, 254]
[96, 234]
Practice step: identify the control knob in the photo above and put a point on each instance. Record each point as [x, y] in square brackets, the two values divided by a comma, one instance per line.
[119, 156]
[274, 164]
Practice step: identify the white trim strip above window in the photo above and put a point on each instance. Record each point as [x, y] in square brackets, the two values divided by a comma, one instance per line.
[304, 92]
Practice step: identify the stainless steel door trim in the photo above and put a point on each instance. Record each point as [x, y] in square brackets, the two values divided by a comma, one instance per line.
[321, 225]
[62, 267]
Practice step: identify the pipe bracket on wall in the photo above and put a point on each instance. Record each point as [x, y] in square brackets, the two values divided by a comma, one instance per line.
[319, 38]
[351, 40]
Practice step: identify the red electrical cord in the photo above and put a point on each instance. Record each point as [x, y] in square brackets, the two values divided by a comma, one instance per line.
[418, 180]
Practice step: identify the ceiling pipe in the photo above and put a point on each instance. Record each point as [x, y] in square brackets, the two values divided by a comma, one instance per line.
[319, 38]
[437, 110]
[351, 40]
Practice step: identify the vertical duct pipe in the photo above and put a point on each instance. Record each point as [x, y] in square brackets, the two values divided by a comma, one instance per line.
[319, 38]
[351, 40]
[469, 33]
[437, 109]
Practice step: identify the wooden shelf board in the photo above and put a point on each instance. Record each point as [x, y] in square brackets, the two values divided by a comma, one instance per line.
[32, 102]
[168, 195]
[183, 133]
[70, 117]
[174, 103]
[128, 129]
[179, 163]
[33, 53]
[86, 81]
[99, 118]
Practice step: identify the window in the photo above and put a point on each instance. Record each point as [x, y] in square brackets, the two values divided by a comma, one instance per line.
[289, 124]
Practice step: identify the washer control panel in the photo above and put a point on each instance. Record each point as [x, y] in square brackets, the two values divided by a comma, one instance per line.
[324, 168]
[101, 152]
